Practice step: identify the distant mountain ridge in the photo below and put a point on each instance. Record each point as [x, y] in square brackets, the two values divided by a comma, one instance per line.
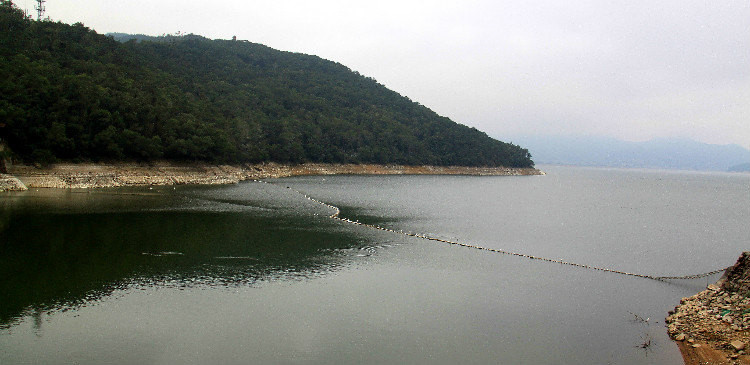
[661, 153]
[743, 167]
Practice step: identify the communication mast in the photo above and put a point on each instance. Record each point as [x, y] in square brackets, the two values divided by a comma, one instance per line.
[40, 9]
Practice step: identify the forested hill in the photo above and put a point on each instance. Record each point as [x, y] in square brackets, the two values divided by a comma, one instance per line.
[68, 93]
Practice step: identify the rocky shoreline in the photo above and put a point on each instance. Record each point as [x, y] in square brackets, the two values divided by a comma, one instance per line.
[86, 176]
[11, 183]
[713, 326]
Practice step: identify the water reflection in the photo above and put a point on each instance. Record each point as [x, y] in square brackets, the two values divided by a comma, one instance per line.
[421, 302]
[61, 249]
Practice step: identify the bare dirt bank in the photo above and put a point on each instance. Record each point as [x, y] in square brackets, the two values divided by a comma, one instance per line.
[713, 326]
[165, 173]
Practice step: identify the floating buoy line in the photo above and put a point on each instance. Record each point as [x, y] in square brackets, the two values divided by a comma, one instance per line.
[337, 212]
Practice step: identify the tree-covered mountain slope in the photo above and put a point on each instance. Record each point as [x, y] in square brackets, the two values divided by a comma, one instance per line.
[68, 93]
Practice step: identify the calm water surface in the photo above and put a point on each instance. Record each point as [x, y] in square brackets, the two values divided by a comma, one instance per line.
[254, 273]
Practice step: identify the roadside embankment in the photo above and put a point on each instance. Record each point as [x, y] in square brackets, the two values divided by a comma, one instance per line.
[166, 173]
[713, 326]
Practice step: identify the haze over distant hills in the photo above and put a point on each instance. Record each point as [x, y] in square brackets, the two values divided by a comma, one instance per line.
[743, 167]
[664, 153]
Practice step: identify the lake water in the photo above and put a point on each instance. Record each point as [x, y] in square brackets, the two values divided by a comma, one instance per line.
[255, 273]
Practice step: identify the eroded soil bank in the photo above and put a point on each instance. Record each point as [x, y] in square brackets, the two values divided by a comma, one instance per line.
[166, 173]
[713, 326]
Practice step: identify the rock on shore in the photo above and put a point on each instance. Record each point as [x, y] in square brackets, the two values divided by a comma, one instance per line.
[165, 173]
[11, 183]
[713, 326]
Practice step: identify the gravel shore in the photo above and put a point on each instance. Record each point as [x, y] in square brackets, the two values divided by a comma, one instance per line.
[164, 173]
[713, 326]
[11, 183]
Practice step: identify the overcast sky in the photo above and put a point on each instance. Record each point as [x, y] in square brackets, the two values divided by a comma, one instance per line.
[631, 69]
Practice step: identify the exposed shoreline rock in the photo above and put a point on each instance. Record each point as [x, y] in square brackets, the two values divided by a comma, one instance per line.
[11, 183]
[86, 176]
[713, 326]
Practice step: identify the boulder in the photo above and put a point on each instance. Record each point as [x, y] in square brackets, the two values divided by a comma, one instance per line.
[737, 345]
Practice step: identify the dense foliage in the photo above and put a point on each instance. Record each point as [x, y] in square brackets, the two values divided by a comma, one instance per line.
[69, 93]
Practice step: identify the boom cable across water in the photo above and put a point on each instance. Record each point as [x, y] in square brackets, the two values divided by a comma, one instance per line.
[337, 212]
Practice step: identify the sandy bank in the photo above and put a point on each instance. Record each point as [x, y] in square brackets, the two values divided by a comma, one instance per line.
[164, 173]
[713, 326]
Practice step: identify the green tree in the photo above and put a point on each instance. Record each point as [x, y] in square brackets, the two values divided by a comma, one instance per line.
[69, 93]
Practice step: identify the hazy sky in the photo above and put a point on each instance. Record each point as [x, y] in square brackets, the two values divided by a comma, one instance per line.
[630, 69]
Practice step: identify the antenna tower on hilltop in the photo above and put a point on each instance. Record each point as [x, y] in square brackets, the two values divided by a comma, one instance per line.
[40, 9]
